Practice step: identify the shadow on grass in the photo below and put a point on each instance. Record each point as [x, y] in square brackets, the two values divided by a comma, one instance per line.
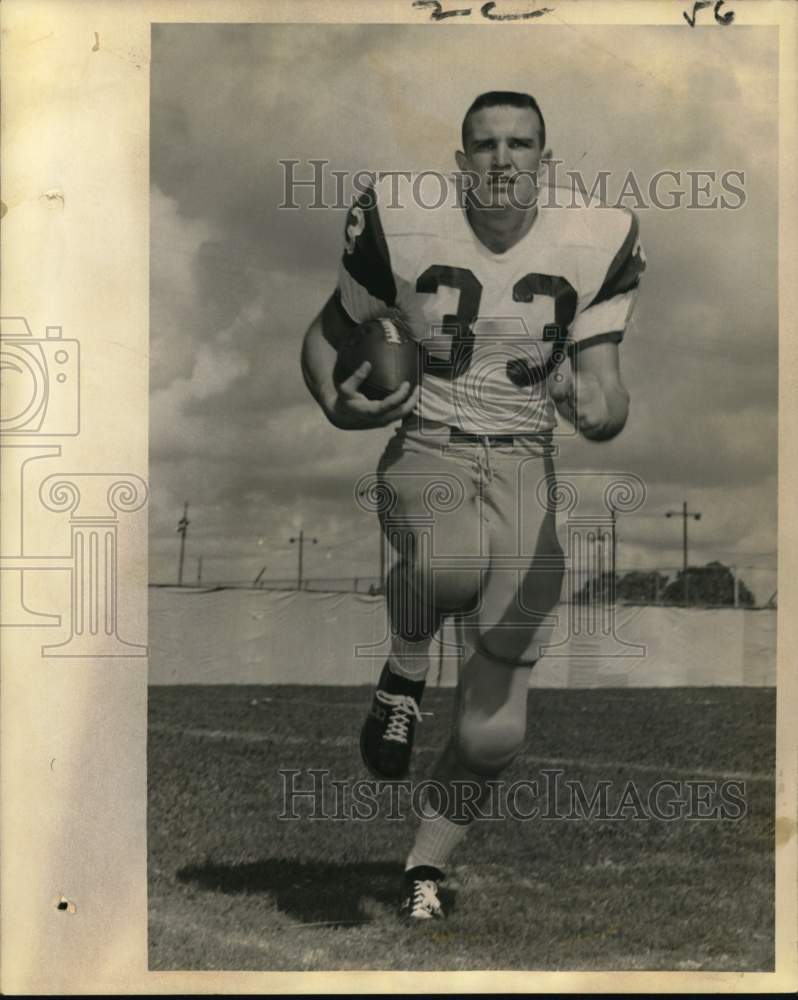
[309, 891]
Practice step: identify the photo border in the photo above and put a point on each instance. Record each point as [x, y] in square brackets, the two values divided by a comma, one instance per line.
[75, 253]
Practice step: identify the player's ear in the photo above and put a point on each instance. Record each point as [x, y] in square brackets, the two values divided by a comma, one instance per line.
[545, 162]
[462, 160]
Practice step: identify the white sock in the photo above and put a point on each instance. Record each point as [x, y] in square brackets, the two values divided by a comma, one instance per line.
[409, 659]
[435, 840]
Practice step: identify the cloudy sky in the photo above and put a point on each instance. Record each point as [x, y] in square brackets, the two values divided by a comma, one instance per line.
[236, 281]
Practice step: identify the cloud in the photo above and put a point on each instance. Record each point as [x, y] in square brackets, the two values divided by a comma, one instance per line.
[174, 288]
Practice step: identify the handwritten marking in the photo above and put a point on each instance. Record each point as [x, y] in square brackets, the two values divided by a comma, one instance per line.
[437, 13]
[723, 19]
[487, 11]
[699, 5]
[726, 18]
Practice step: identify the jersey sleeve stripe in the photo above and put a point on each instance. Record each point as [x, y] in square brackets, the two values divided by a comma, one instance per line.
[341, 311]
[366, 257]
[626, 267]
[612, 336]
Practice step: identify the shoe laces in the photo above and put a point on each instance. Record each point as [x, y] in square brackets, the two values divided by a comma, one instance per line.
[403, 708]
[425, 899]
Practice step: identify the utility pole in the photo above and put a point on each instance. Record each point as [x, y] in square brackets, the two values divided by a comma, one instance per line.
[300, 539]
[684, 513]
[182, 529]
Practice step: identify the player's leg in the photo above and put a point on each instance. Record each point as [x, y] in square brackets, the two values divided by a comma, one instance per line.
[517, 614]
[489, 731]
[514, 621]
[431, 520]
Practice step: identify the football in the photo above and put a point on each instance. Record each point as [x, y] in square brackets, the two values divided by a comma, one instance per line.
[387, 345]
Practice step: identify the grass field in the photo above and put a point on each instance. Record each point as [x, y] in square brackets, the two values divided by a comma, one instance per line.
[234, 887]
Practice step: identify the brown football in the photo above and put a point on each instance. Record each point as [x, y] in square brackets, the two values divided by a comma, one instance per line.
[385, 343]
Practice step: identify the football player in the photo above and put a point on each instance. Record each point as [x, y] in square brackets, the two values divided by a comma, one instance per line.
[519, 308]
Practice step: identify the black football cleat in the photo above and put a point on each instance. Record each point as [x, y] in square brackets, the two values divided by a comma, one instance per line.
[386, 739]
[420, 899]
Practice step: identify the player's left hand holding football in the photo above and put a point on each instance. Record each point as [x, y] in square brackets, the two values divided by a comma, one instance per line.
[348, 409]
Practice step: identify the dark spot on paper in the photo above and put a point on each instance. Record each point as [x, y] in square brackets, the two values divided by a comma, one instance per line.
[96, 46]
[785, 829]
[3, 209]
[54, 196]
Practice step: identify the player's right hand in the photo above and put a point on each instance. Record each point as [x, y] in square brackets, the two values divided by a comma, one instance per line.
[350, 410]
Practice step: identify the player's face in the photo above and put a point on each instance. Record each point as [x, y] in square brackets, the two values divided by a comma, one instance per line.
[503, 150]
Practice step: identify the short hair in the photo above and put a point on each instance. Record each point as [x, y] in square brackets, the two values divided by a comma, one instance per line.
[498, 98]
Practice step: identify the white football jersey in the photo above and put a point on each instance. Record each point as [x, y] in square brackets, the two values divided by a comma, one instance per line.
[492, 326]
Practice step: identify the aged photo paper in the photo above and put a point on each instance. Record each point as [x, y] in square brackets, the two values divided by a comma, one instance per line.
[194, 582]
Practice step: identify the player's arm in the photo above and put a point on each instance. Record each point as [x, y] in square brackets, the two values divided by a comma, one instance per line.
[592, 396]
[346, 407]
[366, 288]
